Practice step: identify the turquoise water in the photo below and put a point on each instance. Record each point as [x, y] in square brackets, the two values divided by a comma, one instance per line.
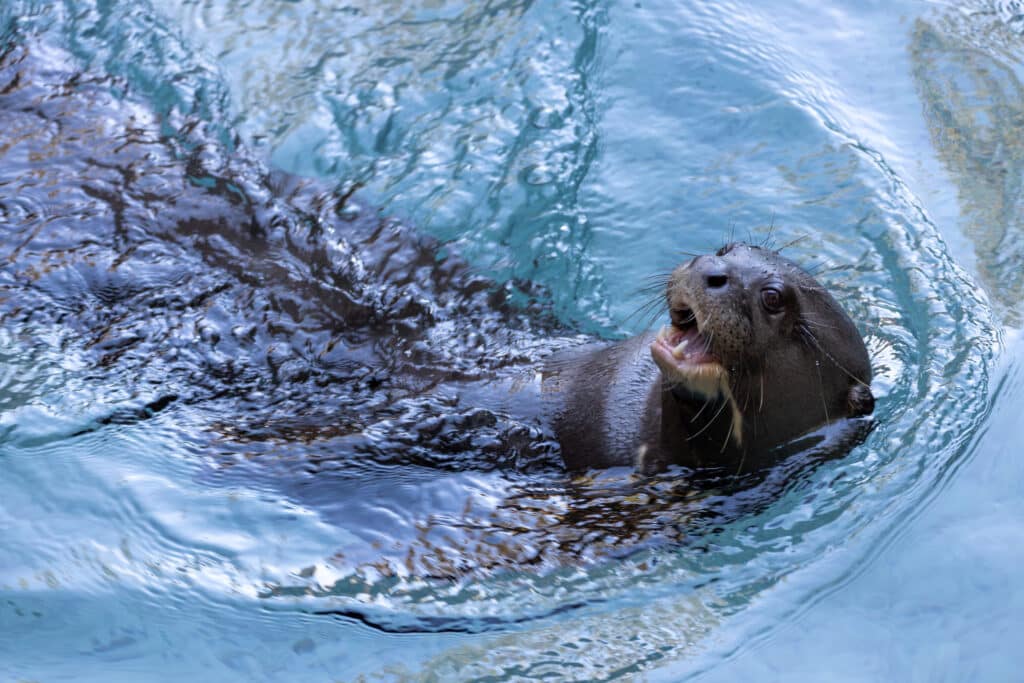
[255, 512]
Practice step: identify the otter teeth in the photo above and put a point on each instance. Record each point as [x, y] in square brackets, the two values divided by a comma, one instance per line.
[680, 349]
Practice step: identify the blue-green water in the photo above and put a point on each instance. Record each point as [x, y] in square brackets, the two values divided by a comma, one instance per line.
[581, 147]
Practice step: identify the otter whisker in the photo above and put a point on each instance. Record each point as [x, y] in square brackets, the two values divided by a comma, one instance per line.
[709, 422]
[669, 385]
[876, 328]
[809, 288]
[821, 268]
[792, 242]
[839, 365]
[658, 287]
[647, 312]
[805, 333]
[765, 243]
[652, 300]
[807, 321]
[705, 405]
[743, 459]
[821, 385]
[725, 444]
[708, 341]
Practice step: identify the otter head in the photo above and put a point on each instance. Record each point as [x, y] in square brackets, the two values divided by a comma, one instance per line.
[757, 354]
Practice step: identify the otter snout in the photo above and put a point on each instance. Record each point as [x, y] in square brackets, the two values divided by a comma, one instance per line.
[711, 272]
[711, 290]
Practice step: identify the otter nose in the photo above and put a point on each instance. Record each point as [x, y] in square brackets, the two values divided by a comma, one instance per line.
[712, 272]
[716, 280]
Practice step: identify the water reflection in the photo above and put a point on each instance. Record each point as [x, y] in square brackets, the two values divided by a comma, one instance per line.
[967, 65]
[475, 122]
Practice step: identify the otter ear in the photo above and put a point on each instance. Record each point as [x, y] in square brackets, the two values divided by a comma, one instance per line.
[860, 400]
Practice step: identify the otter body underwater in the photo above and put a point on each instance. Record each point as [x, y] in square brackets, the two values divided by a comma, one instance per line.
[758, 353]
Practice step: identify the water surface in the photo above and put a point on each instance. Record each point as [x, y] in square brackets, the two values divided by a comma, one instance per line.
[245, 420]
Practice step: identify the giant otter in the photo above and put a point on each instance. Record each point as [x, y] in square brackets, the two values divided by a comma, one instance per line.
[757, 354]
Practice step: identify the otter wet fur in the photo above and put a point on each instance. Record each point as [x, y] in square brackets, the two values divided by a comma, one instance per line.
[758, 353]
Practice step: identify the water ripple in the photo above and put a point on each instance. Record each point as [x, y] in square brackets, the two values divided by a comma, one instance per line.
[236, 397]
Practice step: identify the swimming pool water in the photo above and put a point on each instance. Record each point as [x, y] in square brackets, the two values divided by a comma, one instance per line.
[266, 504]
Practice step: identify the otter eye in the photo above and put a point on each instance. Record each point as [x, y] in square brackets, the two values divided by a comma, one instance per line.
[771, 299]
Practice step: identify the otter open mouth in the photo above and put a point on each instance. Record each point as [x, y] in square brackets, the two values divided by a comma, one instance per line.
[687, 346]
[682, 354]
